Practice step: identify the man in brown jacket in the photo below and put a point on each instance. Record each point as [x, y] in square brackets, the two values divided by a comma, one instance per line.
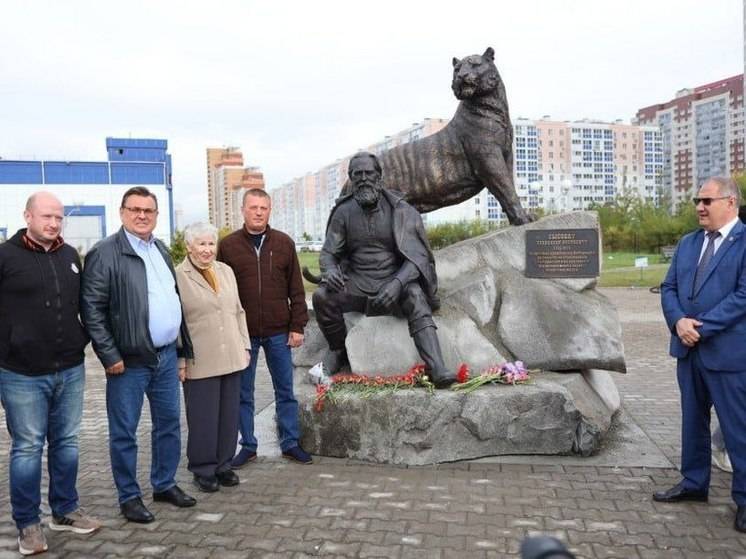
[270, 287]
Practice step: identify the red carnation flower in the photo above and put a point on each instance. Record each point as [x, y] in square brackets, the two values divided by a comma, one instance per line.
[463, 373]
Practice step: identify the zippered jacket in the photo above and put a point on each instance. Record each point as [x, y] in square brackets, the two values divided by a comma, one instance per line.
[270, 284]
[40, 331]
[114, 304]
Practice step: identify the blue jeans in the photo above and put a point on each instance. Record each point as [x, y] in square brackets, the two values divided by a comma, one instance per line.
[124, 400]
[50, 407]
[280, 364]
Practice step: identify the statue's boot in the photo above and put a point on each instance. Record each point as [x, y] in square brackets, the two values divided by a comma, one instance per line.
[427, 344]
[335, 357]
[334, 360]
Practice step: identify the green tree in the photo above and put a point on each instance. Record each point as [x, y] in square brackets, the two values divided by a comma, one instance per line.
[178, 247]
[444, 234]
[632, 224]
[740, 179]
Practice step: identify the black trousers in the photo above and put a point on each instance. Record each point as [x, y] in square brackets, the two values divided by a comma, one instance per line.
[212, 417]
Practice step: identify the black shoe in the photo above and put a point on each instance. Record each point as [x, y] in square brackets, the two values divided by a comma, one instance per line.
[297, 454]
[176, 497]
[134, 511]
[243, 457]
[679, 493]
[206, 484]
[740, 523]
[228, 478]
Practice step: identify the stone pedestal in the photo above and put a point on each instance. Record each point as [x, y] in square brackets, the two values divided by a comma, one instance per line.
[491, 313]
[559, 413]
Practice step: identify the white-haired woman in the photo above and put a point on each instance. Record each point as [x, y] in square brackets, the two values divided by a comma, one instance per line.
[212, 379]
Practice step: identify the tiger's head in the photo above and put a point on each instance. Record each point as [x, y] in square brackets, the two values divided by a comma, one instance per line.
[475, 75]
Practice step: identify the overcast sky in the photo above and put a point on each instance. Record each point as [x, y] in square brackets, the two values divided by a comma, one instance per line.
[297, 85]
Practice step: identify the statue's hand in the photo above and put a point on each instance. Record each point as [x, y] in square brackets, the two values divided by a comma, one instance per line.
[335, 280]
[387, 296]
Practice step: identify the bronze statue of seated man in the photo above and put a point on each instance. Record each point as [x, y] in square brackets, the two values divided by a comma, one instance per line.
[376, 260]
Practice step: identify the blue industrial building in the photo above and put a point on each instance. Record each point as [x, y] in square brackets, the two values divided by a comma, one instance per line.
[91, 190]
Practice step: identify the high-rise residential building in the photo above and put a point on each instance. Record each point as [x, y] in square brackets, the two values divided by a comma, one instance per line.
[301, 207]
[227, 179]
[91, 191]
[703, 134]
[564, 166]
[558, 166]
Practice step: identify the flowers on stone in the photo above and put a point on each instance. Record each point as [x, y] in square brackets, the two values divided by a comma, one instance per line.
[507, 373]
[364, 386]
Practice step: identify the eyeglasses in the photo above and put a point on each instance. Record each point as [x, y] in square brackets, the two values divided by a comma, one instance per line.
[708, 201]
[149, 212]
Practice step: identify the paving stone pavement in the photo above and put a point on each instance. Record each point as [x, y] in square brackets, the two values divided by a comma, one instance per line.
[336, 508]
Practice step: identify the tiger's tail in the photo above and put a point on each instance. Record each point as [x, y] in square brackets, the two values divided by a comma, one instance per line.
[310, 276]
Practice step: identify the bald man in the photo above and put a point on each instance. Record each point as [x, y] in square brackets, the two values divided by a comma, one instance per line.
[41, 371]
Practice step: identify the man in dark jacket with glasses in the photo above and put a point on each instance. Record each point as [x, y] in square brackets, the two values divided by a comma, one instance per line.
[131, 308]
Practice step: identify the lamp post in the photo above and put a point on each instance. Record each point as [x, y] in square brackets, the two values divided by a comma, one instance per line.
[566, 186]
[71, 211]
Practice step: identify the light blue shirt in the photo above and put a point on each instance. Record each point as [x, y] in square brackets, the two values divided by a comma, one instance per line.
[164, 307]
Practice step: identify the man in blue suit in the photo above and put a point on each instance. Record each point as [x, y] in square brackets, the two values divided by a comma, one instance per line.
[704, 303]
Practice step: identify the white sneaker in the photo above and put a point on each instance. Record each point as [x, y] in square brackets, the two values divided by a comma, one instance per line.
[31, 540]
[721, 460]
[76, 521]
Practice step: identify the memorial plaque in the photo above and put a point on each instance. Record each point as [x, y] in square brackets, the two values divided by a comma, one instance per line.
[562, 253]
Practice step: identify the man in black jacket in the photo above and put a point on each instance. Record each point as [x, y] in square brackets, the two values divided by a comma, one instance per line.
[41, 371]
[131, 309]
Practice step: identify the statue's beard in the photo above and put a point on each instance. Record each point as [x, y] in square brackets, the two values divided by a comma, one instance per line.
[367, 195]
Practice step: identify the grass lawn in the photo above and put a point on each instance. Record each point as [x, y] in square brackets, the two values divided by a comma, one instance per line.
[618, 270]
[311, 261]
[626, 259]
[652, 276]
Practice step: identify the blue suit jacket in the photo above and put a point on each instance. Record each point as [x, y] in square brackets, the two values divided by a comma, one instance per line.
[720, 302]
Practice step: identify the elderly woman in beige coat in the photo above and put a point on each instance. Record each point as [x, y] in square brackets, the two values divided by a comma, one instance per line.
[212, 379]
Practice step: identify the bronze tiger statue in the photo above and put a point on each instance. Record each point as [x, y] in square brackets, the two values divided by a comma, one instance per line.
[474, 151]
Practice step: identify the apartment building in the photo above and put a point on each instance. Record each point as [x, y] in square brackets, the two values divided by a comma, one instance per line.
[558, 166]
[703, 134]
[227, 179]
[564, 166]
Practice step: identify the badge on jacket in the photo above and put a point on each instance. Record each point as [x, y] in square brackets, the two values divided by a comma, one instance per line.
[74, 268]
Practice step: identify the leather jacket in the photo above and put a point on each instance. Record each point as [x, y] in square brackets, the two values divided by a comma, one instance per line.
[114, 304]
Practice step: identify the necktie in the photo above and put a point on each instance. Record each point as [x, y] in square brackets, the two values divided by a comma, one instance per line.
[699, 276]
